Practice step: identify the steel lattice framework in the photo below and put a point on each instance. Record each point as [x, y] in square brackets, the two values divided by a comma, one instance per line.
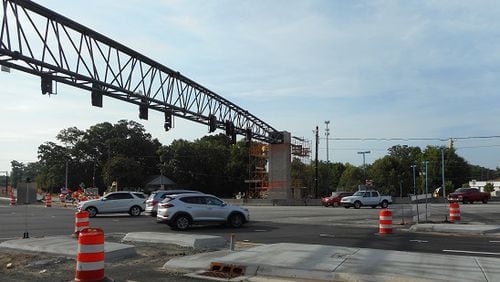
[39, 41]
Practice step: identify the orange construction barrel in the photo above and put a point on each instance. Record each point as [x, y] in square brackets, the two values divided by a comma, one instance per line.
[385, 221]
[90, 257]
[81, 222]
[454, 211]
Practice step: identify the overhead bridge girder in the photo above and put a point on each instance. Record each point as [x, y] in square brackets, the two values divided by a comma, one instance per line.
[39, 41]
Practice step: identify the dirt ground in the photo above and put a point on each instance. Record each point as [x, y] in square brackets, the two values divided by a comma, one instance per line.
[145, 266]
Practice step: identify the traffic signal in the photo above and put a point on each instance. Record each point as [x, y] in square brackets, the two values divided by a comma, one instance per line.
[46, 84]
[212, 123]
[96, 96]
[143, 110]
[233, 138]
[168, 120]
[248, 134]
[229, 128]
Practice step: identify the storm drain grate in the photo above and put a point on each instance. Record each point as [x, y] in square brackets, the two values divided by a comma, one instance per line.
[221, 270]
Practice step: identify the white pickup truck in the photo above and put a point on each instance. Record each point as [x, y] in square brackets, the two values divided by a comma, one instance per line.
[369, 198]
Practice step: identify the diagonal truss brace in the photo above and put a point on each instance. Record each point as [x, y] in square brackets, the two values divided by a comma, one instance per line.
[38, 41]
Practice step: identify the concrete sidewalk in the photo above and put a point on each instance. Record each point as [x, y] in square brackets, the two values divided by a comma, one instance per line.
[333, 263]
[66, 246]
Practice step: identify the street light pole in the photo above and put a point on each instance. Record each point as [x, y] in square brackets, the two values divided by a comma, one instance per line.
[415, 190]
[426, 188]
[66, 176]
[364, 165]
[316, 171]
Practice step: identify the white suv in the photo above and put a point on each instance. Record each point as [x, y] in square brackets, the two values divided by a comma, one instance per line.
[183, 210]
[115, 202]
[157, 196]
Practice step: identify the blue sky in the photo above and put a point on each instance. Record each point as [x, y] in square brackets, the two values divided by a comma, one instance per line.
[374, 69]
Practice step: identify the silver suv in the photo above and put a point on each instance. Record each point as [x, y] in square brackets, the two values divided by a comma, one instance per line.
[157, 196]
[183, 210]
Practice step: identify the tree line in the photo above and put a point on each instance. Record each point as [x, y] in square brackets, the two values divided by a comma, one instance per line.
[124, 152]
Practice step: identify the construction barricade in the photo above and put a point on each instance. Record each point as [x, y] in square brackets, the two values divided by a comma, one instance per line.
[12, 199]
[90, 257]
[385, 221]
[48, 200]
[81, 222]
[454, 211]
[62, 199]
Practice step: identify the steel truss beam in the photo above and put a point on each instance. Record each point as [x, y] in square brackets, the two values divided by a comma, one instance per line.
[39, 41]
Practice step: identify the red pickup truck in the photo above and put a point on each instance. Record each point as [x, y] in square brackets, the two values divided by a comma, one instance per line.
[469, 195]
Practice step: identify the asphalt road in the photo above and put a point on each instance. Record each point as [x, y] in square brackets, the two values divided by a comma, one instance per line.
[309, 225]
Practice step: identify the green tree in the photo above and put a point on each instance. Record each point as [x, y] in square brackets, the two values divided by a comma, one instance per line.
[489, 187]
[386, 174]
[92, 156]
[351, 177]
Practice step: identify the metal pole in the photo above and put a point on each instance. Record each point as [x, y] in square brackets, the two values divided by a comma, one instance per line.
[415, 191]
[443, 183]
[402, 204]
[327, 133]
[426, 189]
[66, 175]
[364, 164]
[316, 172]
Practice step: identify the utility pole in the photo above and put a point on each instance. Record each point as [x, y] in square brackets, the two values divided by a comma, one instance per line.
[316, 170]
[327, 133]
[364, 165]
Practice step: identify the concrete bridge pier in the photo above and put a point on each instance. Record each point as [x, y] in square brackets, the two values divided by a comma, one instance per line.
[280, 165]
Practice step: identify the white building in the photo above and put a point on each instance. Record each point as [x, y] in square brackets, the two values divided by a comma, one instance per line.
[480, 185]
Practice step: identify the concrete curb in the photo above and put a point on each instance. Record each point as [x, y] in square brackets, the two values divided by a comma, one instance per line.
[458, 228]
[185, 240]
[67, 246]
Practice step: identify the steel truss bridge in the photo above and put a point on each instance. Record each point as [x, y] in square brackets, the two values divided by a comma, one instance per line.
[41, 42]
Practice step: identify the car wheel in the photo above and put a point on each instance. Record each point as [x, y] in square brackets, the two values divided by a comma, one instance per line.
[135, 211]
[182, 222]
[236, 220]
[464, 202]
[92, 211]
[335, 204]
[485, 201]
[357, 205]
[384, 204]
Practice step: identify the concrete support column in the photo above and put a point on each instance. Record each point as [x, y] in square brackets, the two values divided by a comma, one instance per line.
[280, 165]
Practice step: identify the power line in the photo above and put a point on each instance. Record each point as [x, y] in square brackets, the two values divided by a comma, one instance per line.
[414, 138]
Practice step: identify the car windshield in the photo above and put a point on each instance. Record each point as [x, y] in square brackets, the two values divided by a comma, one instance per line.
[461, 190]
[359, 193]
[335, 194]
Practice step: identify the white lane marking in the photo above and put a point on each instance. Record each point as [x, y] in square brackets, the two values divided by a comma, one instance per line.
[471, 252]
[326, 235]
[419, 241]
[260, 230]
[494, 241]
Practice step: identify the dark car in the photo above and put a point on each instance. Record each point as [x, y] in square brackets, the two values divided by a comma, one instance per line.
[469, 195]
[334, 199]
